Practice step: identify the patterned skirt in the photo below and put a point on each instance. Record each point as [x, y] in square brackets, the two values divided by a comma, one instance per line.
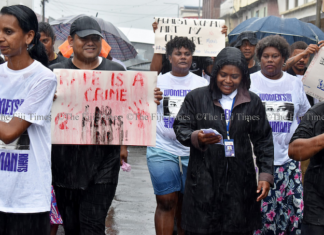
[282, 209]
[55, 214]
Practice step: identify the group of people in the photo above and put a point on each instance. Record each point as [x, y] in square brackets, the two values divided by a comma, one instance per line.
[202, 167]
[254, 101]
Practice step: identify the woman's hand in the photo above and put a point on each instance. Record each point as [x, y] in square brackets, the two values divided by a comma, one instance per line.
[265, 186]
[157, 95]
[123, 154]
[209, 138]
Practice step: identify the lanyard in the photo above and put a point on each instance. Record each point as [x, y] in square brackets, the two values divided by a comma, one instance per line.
[229, 120]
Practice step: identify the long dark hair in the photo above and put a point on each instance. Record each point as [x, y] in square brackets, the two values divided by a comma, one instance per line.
[27, 20]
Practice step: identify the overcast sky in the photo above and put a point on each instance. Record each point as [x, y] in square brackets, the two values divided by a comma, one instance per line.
[123, 13]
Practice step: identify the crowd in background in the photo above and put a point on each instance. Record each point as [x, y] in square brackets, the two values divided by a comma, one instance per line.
[243, 109]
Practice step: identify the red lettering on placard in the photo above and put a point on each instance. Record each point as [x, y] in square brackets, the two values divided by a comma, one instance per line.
[112, 79]
[119, 76]
[122, 94]
[139, 78]
[96, 94]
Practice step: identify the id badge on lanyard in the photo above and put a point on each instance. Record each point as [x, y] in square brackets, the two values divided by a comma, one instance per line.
[229, 143]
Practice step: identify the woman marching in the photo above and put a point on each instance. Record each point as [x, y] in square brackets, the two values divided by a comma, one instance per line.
[285, 101]
[222, 195]
[26, 94]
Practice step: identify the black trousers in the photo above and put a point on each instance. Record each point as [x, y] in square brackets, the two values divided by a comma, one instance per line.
[220, 233]
[24, 224]
[84, 211]
[309, 229]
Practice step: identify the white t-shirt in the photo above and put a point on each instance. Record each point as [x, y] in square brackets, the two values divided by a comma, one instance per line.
[25, 164]
[285, 101]
[174, 91]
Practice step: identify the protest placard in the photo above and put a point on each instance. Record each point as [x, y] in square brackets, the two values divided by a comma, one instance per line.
[104, 107]
[205, 33]
[313, 79]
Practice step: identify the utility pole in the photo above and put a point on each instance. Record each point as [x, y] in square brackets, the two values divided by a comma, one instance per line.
[199, 10]
[43, 3]
[318, 13]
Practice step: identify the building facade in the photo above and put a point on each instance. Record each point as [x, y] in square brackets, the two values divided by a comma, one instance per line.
[191, 12]
[211, 9]
[236, 11]
[304, 10]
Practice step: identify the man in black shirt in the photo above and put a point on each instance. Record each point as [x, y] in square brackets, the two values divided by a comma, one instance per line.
[85, 176]
[48, 39]
[308, 143]
[246, 42]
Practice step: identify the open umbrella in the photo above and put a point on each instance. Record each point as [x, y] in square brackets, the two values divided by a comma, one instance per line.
[121, 47]
[291, 29]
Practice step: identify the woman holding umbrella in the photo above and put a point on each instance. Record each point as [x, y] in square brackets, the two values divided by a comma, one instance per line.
[221, 194]
[285, 101]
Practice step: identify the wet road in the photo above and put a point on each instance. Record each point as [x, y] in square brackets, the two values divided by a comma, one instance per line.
[132, 210]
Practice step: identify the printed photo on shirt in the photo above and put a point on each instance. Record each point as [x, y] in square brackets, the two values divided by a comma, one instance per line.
[172, 105]
[279, 111]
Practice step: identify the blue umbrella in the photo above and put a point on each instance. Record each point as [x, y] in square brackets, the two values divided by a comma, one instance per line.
[291, 29]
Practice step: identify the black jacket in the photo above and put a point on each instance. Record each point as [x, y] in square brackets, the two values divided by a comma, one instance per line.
[312, 125]
[220, 193]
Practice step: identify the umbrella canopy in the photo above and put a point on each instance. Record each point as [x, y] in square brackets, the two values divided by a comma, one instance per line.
[291, 29]
[121, 47]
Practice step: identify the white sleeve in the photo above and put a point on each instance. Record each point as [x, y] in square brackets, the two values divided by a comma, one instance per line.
[36, 107]
[304, 104]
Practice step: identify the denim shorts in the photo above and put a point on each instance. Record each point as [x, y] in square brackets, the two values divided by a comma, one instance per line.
[165, 171]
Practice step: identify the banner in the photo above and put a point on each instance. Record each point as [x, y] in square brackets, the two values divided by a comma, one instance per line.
[104, 108]
[205, 33]
[313, 79]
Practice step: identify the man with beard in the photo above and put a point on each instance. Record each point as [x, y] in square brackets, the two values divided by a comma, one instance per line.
[246, 42]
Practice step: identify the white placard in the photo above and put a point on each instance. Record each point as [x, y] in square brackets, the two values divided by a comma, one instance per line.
[205, 33]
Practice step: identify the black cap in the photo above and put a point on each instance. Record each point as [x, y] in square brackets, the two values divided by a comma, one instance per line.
[248, 35]
[85, 26]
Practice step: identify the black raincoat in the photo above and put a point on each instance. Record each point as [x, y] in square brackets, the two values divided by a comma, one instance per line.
[220, 192]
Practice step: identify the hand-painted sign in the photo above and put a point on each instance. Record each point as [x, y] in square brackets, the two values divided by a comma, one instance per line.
[104, 107]
[205, 33]
[313, 79]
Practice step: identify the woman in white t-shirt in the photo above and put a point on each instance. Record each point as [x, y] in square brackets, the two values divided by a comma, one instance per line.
[26, 94]
[285, 102]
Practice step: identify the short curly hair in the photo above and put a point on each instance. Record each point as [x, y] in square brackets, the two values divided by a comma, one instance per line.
[179, 42]
[275, 41]
[298, 45]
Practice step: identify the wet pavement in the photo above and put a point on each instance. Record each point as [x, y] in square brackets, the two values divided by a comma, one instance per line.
[132, 210]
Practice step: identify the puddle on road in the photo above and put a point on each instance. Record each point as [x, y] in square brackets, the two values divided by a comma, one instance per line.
[111, 223]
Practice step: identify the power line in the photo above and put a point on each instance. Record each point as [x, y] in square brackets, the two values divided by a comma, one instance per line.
[113, 13]
[154, 14]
